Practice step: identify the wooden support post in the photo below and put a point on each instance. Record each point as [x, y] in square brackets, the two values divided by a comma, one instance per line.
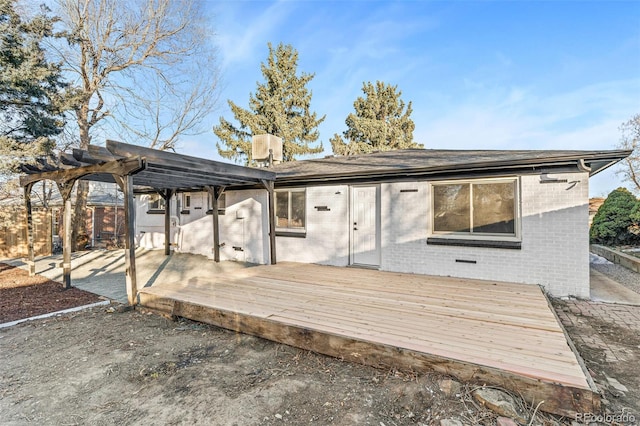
[272, 219]
[29, 219]
[216, 193]
[65, 189]
[130, 241]
[166, 195]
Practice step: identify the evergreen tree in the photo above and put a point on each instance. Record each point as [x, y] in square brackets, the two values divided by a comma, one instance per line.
[613, 223]
[281, 107]
[380, 123]
[29, 88]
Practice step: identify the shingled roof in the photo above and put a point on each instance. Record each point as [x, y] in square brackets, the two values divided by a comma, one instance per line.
[430, 162]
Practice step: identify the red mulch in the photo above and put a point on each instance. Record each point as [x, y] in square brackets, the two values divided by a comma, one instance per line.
[22, 296]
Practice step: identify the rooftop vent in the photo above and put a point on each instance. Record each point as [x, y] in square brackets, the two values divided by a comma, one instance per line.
[262, 145]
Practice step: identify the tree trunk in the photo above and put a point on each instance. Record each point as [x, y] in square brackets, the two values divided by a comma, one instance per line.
[80, 236]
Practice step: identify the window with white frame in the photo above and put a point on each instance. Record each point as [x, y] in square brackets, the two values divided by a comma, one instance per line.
[156, 202]
[186, 200]
[476, 208]
[291, 209]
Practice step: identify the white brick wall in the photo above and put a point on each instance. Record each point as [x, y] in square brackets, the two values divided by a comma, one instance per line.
[242, 226]
[554, 230]
[554, 238]
[150, 227]
[327, 239]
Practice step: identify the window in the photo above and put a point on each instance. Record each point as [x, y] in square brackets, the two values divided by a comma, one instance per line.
[479, 209]
[222, 203]
[290, 210]
[186, 203]
[156, 202]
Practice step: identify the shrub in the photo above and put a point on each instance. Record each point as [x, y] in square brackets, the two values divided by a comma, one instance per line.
[613, 223]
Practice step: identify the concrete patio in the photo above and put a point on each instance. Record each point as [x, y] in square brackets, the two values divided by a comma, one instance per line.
[102, 271]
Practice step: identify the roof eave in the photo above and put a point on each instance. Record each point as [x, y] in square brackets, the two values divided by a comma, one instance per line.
[607, 158]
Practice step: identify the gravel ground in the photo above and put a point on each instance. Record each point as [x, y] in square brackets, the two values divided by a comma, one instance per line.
[618, 273]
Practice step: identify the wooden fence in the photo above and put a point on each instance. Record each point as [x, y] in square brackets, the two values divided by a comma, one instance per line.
[13, 234]
[105, 226]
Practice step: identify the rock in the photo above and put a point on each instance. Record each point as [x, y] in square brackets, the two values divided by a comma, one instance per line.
[450, 422]
[617, 385]
[505, 421]
[499, 402]
[449, 387]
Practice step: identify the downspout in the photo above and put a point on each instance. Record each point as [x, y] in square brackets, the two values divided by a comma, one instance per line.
[582, 166]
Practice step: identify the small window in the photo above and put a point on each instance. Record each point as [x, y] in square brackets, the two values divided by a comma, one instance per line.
[480, 209]
[185, 202]
[156, 202]
[291, 210]
[222, 204]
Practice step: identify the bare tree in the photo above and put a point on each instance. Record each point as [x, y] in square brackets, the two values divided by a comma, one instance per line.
[631, 140]
[144, 67]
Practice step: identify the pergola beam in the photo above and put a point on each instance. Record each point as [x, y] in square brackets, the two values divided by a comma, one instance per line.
[118, 167]
[164, 172]
[126, 184]
[215, 192]
[152, 176]
[65, 189]
[272, 219]
[170, 159]
[166, 195]
[29, 222]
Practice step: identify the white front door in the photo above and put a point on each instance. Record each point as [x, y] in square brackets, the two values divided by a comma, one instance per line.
[365, 241]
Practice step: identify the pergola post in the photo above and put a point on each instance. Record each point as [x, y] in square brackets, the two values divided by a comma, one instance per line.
[129, 242]
[166, 195]
[216, 193]
[65, 189]
[272, 218]
[29, 222]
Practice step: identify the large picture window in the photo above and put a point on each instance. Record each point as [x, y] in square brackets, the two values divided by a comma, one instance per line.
[291, 209]
[476, 208]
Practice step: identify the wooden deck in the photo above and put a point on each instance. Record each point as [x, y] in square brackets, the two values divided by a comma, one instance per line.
[496, 333]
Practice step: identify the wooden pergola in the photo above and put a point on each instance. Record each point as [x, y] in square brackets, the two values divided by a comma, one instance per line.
[145, 169]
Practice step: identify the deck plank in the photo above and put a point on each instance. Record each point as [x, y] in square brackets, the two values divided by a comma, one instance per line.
[497, 326]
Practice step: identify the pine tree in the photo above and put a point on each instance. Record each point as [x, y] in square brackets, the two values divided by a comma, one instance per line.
[29, 88]
[380, 123]
[281, 107]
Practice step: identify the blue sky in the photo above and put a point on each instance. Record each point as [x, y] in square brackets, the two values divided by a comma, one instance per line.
[480, 74]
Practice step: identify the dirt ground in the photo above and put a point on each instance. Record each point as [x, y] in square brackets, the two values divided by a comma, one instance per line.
[119, 366]
[134, 368]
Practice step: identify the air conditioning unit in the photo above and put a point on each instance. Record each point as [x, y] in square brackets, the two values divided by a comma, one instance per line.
[261, 144]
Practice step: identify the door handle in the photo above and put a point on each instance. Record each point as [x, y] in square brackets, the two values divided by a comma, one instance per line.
[355, 229]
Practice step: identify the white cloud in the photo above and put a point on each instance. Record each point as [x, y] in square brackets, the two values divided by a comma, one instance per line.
[587, 118]
[498, 118]
[245, 33]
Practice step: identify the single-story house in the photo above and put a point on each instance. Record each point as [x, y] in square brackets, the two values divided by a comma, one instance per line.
[518, 216]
